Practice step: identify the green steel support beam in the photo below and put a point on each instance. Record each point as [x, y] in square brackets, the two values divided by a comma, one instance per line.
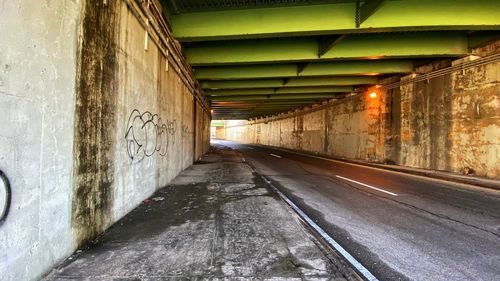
[249, 110]
[479, 38]
[274, 97]
[367, 9]
[255, 109]
[336, 18]
[301, 67]
[248, 114]
[366, 46]
[324, 81]
[325, 44]
[263, 103]
[246, 71]
[252, 106]
[368, 67]
[312, 90]
[262, 106]
[303, 102]
[245, 104]
[240, 84]
[331, 81]
[245, 115]
[270, 91]
[240, 92]
[241, 116]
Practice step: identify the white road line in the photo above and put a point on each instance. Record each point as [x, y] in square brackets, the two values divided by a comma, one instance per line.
[277, 156]
[364, 184]
[355, 263]
[444, 183]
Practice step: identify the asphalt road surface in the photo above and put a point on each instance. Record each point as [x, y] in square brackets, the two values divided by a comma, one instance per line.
[399, 226]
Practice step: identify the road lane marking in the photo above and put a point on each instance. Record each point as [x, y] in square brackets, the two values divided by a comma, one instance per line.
[442, 182]
[369, 186]
[277, 156]
[355, 263]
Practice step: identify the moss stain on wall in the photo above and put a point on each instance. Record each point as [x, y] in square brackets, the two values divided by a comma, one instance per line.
[95, 120]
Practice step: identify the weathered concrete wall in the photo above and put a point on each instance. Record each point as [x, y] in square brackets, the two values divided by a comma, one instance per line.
[475, 122]
[202, 125]
[95, 113]
[94, 124]
[38, 48]
[220, 133]
[152, 126]
[450, 122]
[345, 128]
[155, 119]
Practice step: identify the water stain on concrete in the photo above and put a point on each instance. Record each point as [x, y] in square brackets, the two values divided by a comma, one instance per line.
[95, 120]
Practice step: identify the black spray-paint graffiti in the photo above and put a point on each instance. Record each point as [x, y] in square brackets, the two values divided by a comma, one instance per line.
[5, 197]
[147, 134]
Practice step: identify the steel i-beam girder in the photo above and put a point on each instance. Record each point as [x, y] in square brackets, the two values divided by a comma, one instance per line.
[353, 47]
[337, 18]
[366, 10]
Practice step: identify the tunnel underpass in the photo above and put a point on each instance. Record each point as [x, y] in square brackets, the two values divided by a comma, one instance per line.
[250, 140]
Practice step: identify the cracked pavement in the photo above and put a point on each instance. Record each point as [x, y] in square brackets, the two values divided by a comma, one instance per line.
[216, 220]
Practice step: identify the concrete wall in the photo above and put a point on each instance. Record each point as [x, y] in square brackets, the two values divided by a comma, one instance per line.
[220, 133]
[37, 104]
[92, 124]
[475, 122]
[345, 128]
[450, 122]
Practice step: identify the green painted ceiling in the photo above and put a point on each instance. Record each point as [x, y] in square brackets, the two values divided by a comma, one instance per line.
[259, 57]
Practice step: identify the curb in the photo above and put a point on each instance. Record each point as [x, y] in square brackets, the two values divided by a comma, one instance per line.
[356, 269]
[448, 176]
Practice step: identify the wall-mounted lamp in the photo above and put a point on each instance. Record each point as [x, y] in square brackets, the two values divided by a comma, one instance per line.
[373, 92]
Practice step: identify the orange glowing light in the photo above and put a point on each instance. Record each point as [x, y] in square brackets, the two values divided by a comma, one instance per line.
[373, 95]
[212, 111]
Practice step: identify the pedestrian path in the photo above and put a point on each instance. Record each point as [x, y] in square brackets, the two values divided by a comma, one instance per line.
[216, 220]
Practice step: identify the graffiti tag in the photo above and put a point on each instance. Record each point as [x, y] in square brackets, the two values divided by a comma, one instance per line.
[147, 134]
[5, 197]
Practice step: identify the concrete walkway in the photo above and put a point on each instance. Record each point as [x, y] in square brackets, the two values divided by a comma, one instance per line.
[217, 220]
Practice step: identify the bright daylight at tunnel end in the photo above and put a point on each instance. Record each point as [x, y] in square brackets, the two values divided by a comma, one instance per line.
[249, 140]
